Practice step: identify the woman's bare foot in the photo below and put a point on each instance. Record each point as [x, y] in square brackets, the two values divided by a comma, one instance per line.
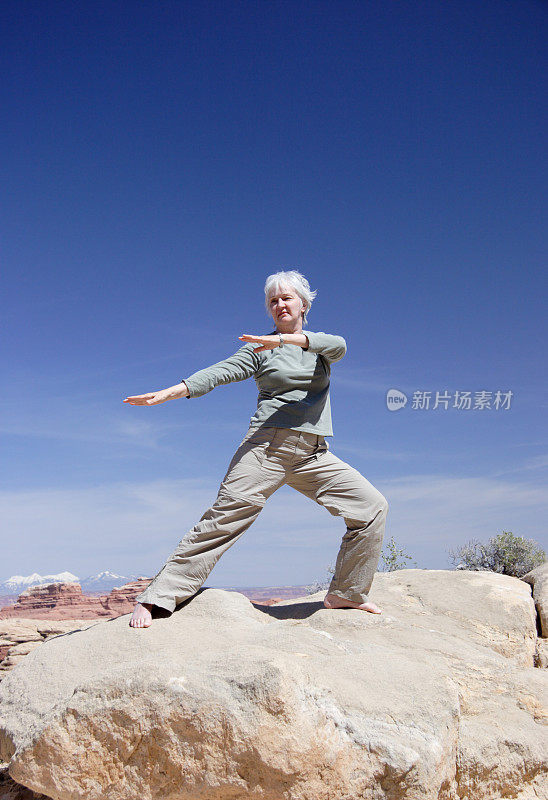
[142, 618]
[334, 601]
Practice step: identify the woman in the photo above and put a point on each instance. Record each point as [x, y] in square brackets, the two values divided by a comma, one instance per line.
[285, 443]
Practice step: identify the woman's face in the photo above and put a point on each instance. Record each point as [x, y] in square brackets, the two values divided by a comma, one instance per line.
[286, 307]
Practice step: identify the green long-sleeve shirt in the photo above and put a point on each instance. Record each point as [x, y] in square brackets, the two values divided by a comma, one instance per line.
[293, 383]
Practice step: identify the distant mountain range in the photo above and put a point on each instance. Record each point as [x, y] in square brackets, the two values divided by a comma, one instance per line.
[102, 582]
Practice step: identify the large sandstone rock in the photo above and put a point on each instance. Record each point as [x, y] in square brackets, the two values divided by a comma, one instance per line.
[10, 790]
[18, 637]
[435, 698]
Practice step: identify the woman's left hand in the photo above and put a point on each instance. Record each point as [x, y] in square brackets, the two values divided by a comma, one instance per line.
[266, 342]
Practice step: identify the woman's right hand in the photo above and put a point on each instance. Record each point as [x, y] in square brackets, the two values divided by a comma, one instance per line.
[161, 396]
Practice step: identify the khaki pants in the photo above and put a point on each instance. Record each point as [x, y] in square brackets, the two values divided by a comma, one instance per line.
[266, 459]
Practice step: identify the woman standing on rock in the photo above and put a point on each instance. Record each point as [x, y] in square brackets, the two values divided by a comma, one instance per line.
[285, 444]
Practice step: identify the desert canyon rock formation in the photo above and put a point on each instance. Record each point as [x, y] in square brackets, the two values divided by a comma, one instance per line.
[441, 697]
[67, 601]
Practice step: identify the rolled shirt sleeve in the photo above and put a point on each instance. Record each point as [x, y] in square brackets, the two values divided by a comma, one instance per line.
[331, 347]
[243, 364]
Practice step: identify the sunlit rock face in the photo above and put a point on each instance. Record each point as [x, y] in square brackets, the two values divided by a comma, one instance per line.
[438, 698]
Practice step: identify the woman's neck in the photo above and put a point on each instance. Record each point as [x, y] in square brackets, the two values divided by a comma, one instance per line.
[289, 330]
[297, 327]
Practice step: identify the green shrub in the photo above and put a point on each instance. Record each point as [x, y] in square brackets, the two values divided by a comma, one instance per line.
[505, 553]
[391, 557]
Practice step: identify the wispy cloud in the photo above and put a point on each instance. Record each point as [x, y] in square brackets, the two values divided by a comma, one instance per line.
[362, 380]
[133, 527]
[374, 452]
[536, 462]
[432, 513]
[484, 491]
[85, 423]
[112, 430]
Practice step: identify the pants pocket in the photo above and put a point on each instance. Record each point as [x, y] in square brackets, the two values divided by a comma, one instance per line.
[323, 447]
[258, 435]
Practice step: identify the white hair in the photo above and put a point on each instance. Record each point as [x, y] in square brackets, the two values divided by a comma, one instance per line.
[293, 279]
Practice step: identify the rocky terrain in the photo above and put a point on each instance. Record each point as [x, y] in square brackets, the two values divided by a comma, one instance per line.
[19, 637]
[32, 619]
[441, 697]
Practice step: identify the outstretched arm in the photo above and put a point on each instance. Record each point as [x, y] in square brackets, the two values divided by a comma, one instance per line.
[237, 367]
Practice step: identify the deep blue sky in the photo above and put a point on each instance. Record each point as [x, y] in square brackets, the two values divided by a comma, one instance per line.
[160, 159]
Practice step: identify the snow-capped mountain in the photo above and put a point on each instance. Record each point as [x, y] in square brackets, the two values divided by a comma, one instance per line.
[18, 583]
[105, 581]
[102, 582]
